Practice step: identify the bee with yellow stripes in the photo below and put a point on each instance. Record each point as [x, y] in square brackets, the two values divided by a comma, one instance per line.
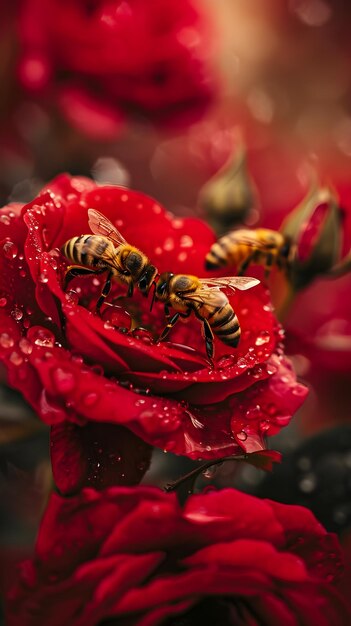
[106, 250]
[239, 248]
[188, 294]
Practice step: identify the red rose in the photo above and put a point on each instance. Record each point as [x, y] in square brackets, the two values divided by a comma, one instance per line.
[164, 392]
[136, 555]
[99, 59]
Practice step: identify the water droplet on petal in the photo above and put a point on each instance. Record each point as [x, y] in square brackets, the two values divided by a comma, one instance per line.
[143, 335]
[3, 302]
[9, 250]
[16, 358]
[4, 219]
[262, 338]
[43, 277]
[226, 361]
[168, 244]
[186, 242]
[139, 402]
[63, 380]
[25, 346]
[253, 413]
[242, 436]
[116, 316]
[6, 341]
[72, 296]
[17, 314]
[242, 363]
[41, 336]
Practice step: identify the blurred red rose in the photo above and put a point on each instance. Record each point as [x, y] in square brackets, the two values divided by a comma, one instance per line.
[165, 393]
[136, 555]
[102, 59]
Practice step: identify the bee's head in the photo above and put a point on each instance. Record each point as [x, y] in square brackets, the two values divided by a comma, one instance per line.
[147, 279]
[162, 291]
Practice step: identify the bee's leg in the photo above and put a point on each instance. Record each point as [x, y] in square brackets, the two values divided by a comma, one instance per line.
[245, 264]
[105, 291]
[171, 322]
[130, 290]
[268, 265]
[209, 341]
[77, 270]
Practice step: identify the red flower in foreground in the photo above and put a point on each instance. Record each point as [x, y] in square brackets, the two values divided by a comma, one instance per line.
[102, 58]
[164, 392]
[136, 555]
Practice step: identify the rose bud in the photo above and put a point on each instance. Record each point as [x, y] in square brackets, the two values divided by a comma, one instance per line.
[315, 235]
[230, 194]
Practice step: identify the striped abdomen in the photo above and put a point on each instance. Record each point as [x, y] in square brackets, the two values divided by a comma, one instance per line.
[224, 323]
[88, 250]
[237, 246]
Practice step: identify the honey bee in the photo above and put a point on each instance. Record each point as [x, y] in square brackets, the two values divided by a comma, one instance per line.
[242, 247]
[107, 250]
[188, 294]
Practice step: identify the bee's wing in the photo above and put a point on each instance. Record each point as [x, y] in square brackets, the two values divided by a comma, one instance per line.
[211, 296]
[100, 225]
[231, 282]
[248, 240]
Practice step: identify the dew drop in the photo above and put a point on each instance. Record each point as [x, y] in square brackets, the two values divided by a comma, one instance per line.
[226, 361]
[63, 380]
[264, 425]
[242, 436]
[43, 277]
[72, 296]
[16, 358]
[3, 302]
[41, 336]
[22, 273]
[25, 346]
[186, 242]
[262, 338]
[242, 363]
[256, 371]
[17, 314]
[140, 402]
[168, 244]
[253, 413]
[6, 340]
[4, 219]
[143, 335]
[116, 316]
[10, 250]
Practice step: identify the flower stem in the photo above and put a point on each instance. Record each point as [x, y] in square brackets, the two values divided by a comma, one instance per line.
[191, 476]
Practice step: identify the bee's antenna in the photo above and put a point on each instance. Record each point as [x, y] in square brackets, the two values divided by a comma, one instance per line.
[153, 296]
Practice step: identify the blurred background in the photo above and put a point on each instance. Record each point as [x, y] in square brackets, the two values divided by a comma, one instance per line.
[228, 110]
